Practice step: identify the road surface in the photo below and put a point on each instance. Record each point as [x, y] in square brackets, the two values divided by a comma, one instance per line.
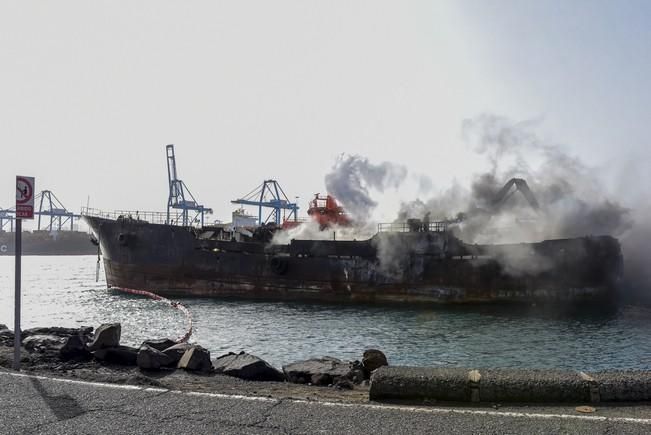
[42, 405]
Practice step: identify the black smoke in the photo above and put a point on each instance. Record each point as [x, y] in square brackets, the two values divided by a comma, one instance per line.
[353, 177]
[573, 200]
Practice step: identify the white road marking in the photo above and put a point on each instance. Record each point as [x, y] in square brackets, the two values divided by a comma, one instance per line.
[402, 408]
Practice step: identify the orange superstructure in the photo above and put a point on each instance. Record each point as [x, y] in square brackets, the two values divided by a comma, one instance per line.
[325, 210]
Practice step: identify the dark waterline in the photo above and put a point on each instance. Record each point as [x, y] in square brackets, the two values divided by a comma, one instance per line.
[62, 291]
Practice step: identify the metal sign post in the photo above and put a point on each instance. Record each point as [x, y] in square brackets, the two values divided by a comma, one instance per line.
[24, 210]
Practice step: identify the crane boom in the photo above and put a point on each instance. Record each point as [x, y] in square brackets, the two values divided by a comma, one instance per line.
[180, 197]
[520, 185]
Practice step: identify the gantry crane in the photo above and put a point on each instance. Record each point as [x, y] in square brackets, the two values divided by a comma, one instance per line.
[180, 197]
[53, 208]
[49, 206]
[7, 217]
[270, 195]
[521, 186]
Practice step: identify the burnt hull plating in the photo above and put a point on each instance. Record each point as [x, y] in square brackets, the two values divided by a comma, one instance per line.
[398, 267]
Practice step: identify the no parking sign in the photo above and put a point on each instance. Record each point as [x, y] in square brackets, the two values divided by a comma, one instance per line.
[24, 197]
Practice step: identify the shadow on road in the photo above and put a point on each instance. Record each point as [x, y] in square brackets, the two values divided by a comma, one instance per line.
[63, 406]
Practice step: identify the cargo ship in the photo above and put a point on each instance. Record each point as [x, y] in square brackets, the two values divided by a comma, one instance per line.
[48, 243]
[416, 261]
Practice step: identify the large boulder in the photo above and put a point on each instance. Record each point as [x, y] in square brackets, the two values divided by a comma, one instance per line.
[106, 336]
[318, 371]
[373, 359]
[160, 344]
[197, 359]
[150, 358]
[74, 348]
[122, 355]
[176, 352]
[246, 366]
[43, 343]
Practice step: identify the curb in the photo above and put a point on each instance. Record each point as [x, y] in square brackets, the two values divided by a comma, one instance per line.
[508, 385]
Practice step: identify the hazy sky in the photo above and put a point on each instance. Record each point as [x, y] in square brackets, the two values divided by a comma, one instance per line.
[91, 92]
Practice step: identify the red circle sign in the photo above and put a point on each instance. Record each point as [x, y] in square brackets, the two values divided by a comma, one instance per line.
[24, 190]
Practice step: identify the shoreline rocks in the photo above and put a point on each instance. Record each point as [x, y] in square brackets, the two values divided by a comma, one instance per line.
[150, 358]
[160, 344]
[121, 355]
[176, 352]
[373, 359]
[42, 343]
[196, 359]
[319, 371]
[106, 336]
[74, 348]
[64, 348]
[84, 331]
[246, 366]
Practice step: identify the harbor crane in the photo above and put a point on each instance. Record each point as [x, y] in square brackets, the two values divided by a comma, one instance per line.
[506, 192]
[49, 206]
[270, 195]
[7, 217]
[181, 198]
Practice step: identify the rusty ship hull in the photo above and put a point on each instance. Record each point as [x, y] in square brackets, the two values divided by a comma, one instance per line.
[411, 267]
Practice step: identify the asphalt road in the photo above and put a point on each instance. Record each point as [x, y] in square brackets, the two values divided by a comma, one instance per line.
[41, 405]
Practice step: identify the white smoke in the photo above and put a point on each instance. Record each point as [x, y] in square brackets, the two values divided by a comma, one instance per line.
[311, 230]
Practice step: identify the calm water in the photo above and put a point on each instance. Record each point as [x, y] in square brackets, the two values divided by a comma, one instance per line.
[61, 291]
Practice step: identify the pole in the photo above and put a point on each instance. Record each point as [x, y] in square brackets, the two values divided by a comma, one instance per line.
[18, 248]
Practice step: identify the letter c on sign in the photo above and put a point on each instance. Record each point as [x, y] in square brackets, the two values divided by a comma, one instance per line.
[3, 248]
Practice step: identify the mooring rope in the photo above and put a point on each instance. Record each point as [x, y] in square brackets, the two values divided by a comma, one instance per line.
[177, 305]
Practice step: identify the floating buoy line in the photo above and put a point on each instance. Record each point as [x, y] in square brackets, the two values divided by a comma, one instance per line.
[173, 304]
[154, 296]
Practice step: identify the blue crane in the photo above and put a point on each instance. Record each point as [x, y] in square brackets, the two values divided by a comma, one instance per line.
[7, 217]
[269, 195]
[55, 210]
[180, 197]
[49, 206]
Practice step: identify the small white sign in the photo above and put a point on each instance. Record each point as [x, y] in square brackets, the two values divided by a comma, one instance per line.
[24, 197]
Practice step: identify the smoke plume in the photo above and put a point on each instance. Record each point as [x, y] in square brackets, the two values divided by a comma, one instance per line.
[351, 179]
[573, 201]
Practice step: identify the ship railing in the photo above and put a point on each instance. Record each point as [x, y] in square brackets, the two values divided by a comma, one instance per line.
[412, 227]
[153, 217]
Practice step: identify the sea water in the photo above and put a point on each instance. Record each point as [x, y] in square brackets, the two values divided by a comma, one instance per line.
[61, 291]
